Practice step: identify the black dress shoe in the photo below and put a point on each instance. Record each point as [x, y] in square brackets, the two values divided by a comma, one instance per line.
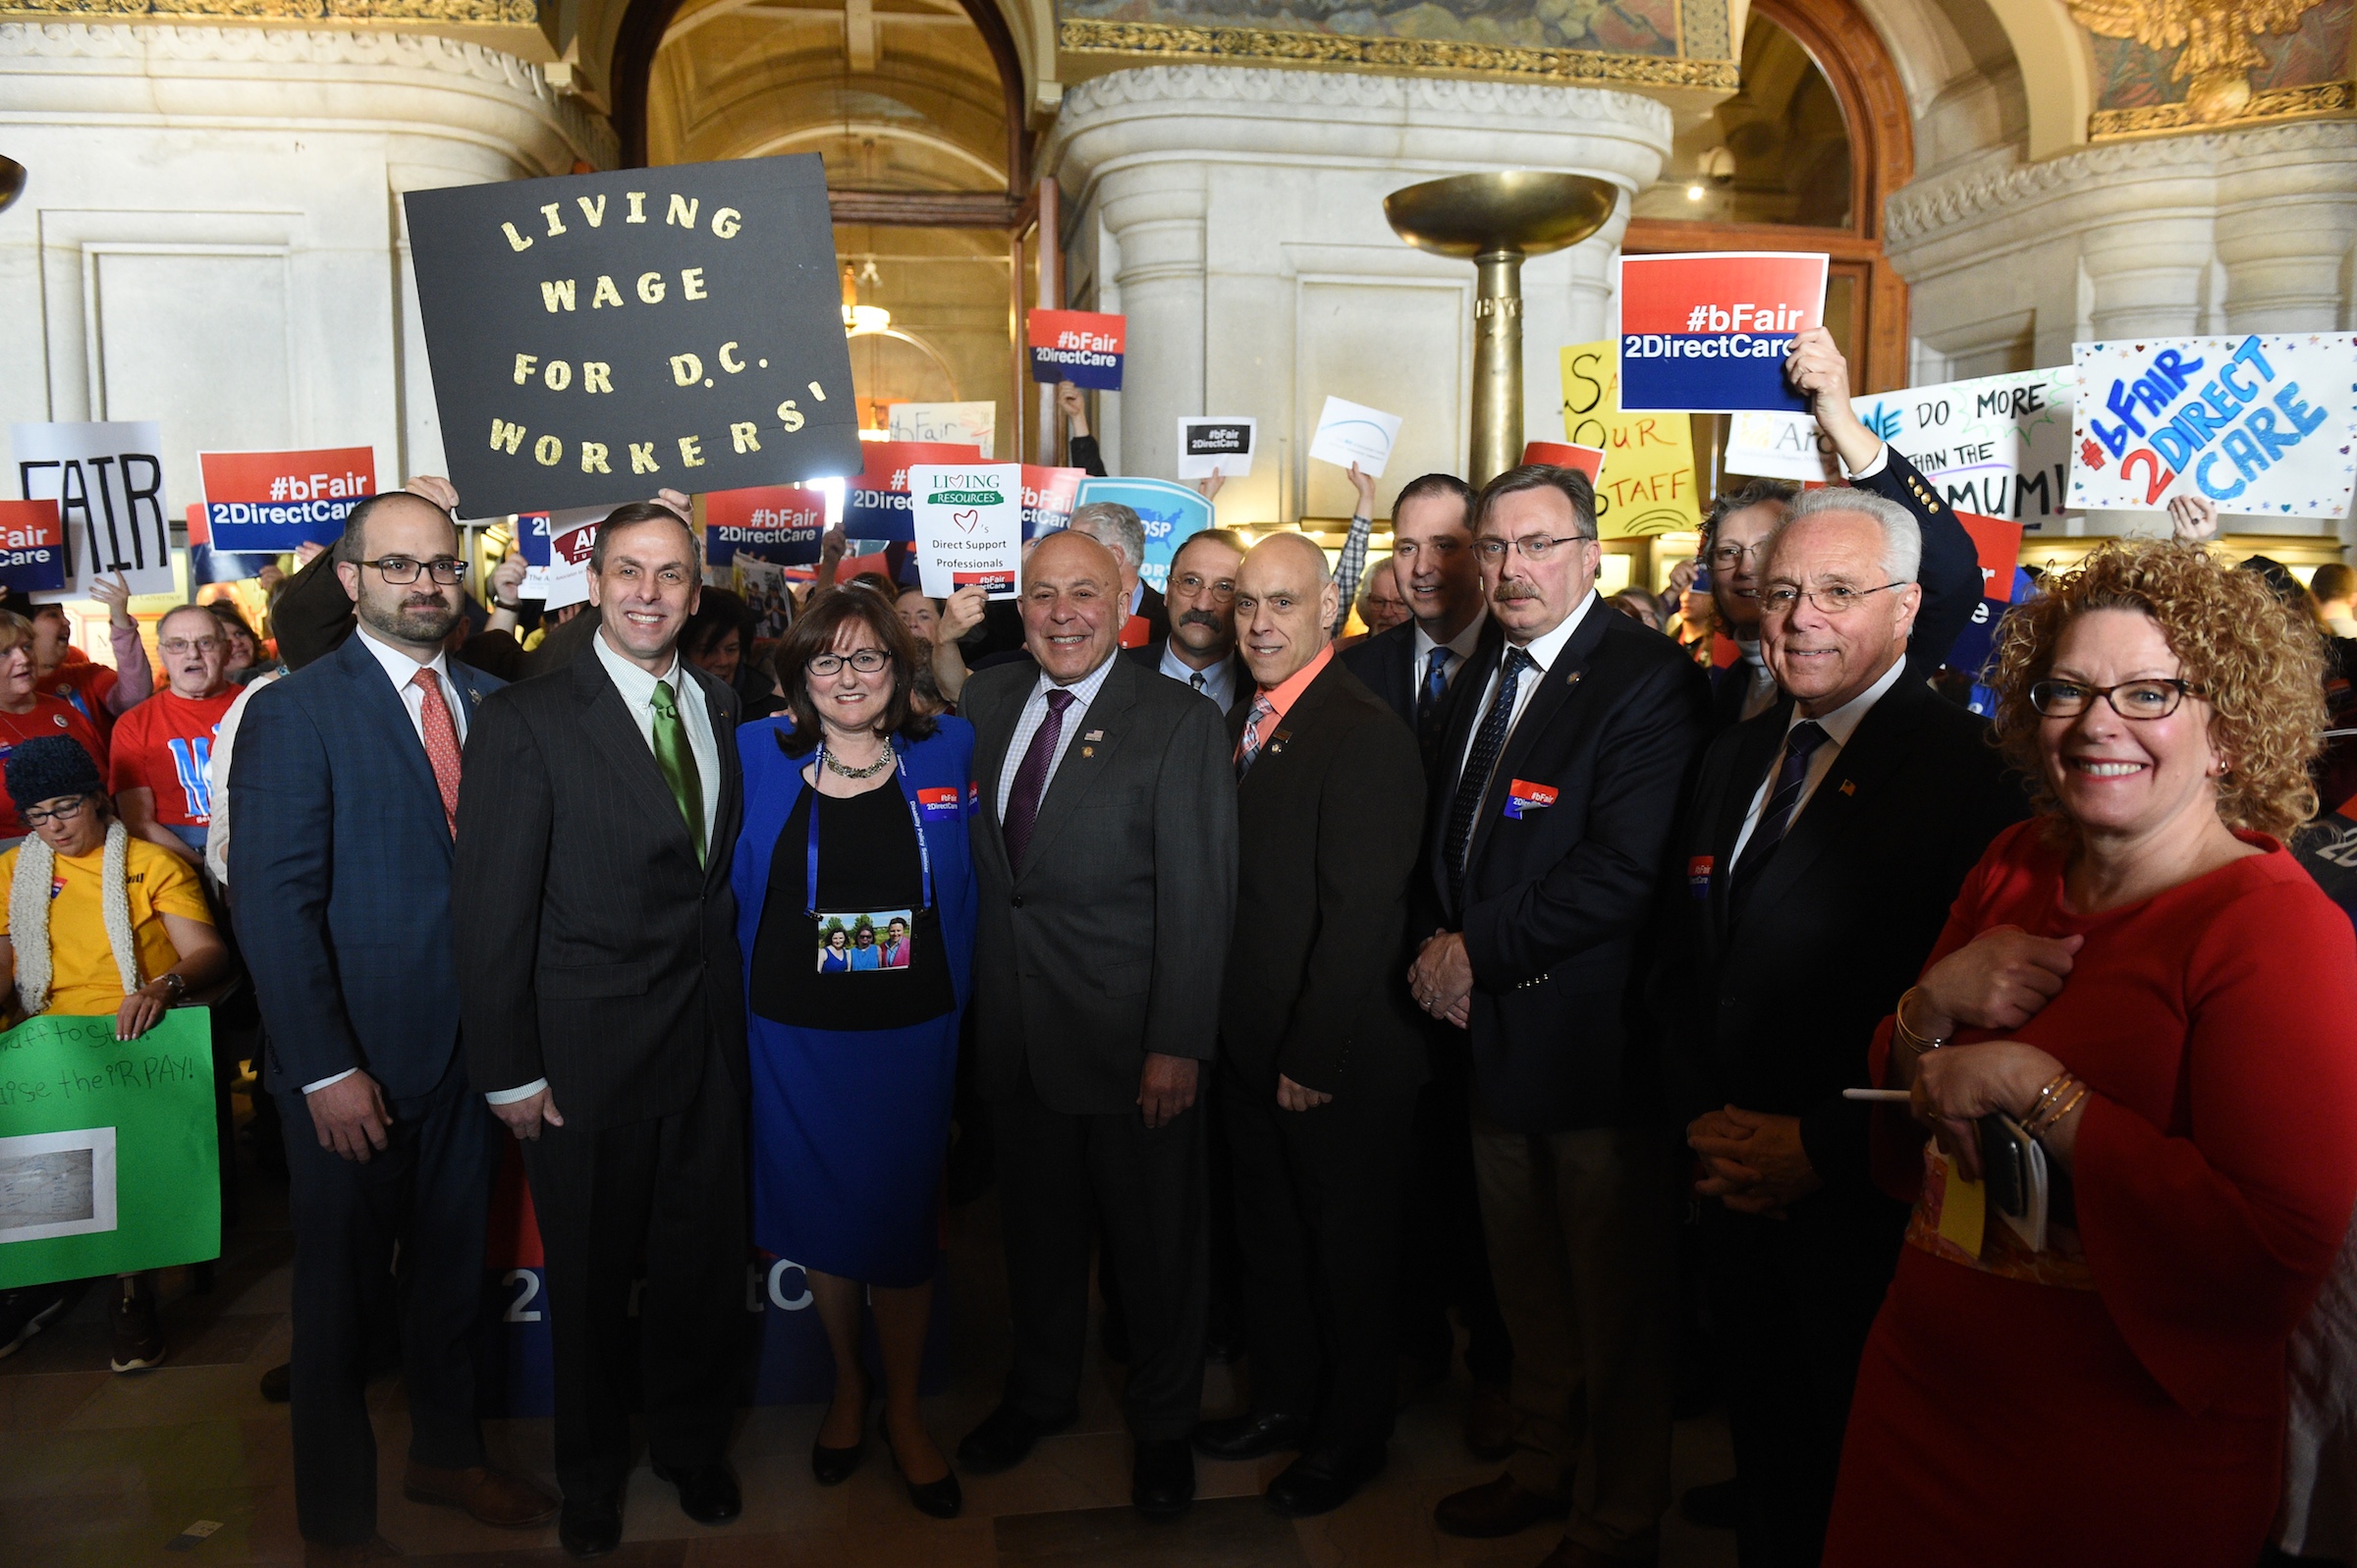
[1494, 1509]
[833, 1466]
[1162, 1484]
[1322, 1483]
[1249, 1436]
[1005, 1439]
[590, 1527]
[708, 1493]
[942, 1500]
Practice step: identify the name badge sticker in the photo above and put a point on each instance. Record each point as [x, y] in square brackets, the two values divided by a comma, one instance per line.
[1698, 875]
[973, 798]
[1523, 797]
[940, 805]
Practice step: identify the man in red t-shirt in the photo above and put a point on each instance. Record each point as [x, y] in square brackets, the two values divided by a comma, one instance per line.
[63, 670]
[163, 748]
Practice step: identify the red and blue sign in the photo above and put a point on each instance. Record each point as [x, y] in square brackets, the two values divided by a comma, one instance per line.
[1707, 333]
[876, 506]
[775, 523]
[941, 804]
[264, 503]
[1523, 797]
[1081, 347]
[32, 546]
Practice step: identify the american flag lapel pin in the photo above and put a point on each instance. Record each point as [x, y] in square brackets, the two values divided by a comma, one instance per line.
[1094, 734]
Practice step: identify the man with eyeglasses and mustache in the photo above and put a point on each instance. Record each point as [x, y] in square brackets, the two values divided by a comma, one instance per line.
[346, 779]
[1815, 865]
[1200, 651]
[1555, 787]
[162, 748]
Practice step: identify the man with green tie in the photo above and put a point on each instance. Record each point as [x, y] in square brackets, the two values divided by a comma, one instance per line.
[601, 1005]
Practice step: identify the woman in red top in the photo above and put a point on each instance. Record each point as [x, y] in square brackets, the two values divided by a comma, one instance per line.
[25, 713]
[2147, 982]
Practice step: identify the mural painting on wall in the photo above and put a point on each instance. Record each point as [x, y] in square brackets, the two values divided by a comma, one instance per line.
[2166, 65]
[1652, 41]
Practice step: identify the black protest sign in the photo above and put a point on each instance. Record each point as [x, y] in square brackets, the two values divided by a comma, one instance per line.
[598, 337]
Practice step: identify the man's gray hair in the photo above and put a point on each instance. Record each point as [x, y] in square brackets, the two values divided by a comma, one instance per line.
[1902, 537]
[1366, 584]
[1116, 527]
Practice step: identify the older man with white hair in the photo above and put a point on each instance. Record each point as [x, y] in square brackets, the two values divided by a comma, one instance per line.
[1819, 853]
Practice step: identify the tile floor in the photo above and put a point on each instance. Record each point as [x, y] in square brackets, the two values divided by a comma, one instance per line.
[97, 1470]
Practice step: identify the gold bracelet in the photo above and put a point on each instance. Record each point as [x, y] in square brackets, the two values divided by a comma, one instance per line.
[2046, 1096]
[2047, 1125]
[1906, 1033]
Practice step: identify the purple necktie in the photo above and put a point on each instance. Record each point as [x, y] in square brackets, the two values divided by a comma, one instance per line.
[1031, 779]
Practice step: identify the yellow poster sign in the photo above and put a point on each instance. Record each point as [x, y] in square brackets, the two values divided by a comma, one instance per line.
[1648, 481]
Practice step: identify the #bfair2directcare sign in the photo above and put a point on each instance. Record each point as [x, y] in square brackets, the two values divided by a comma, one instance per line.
[2261, 424]
[777, 523]
[265, 502]
[968, 522]
[598, 336]
[1082, 347]
[1707, 333]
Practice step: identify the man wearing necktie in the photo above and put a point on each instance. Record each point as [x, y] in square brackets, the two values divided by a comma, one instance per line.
[603, 999]
[1105, 852]
[1200, 651]
[1413, 665]
[1320, 1052]
[347, 772]
[1556, 794]
[1814, 868]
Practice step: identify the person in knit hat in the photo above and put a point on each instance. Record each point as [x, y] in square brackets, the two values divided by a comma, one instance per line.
[99, 924]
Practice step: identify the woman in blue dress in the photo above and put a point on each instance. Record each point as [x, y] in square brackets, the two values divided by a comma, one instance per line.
[855, 815]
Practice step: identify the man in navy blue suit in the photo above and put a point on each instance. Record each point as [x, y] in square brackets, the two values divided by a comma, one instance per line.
[344, 787]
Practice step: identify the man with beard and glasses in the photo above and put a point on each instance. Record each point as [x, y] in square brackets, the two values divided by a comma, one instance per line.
[347, 774]
[1200, 651]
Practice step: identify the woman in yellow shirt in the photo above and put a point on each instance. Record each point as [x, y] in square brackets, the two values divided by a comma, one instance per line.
[99, 923]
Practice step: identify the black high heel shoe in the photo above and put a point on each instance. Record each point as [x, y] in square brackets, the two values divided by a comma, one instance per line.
[834, 1466]
[942, 1500]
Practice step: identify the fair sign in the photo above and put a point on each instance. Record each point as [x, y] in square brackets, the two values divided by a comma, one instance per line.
[775, 523]
[876, 506]
[107, 478]
[1049, 496]
[2262, 425]
[1082, 347]
[265, 502]
[1706, 333]
[32, 547]
[969, 524]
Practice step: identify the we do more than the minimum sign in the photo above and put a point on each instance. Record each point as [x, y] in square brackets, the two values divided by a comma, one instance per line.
[599, 336]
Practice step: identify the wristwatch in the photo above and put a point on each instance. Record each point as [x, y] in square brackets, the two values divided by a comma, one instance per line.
[514, 609]
[179, 986]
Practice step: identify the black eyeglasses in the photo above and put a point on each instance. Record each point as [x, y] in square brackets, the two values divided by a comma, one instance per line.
[2130, 699]
[867, 660]
[1725, 557]
[400, 571]
[1534, 546]
[65, 813]
[1836, 600]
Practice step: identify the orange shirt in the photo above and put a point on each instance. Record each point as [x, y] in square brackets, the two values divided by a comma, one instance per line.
[1281, 699]
[48, 716]
[165, 744]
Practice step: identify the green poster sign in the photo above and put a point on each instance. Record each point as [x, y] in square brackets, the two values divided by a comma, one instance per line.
[109, 1162]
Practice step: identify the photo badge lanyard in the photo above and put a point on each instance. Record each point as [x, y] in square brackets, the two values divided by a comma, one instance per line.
[916, 820]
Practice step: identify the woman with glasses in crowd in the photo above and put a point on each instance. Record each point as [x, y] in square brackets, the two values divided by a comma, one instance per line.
[100, 924]
[2161, 1005]
[855, 820]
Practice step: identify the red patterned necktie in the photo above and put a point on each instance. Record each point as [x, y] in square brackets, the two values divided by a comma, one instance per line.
[441, 743]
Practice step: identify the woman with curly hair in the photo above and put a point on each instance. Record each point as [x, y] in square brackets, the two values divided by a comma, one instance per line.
[2147, 984]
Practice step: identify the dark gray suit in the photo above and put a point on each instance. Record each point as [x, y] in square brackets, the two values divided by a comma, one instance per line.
[1107, 948]
[595, 951]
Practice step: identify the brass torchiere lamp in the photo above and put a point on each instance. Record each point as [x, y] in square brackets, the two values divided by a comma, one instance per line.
[1494, 220]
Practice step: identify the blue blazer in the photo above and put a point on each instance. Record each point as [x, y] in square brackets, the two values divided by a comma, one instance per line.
[339, 872]
[773, 785]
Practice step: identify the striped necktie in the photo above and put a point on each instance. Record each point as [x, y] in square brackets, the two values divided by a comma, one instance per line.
[1247, 750]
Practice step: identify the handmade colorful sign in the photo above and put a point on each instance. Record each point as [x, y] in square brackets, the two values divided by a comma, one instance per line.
[777, 523]
[968, 523]
[1081, 347]
[973, 424]
[1171, 513]
[2262, 424]
[596, 336]
[1706, 333]
[1224, 444]
[262, 503]
[876, 506]
[108, 482]
[1353, 433]
[1049, 496]
[1652, 489]
[1564, 454]
[32, 548]
[109, 1157]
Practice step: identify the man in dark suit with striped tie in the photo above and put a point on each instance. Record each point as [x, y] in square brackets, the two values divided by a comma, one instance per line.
[1413, 665]
[345, 786]
[1559, 786]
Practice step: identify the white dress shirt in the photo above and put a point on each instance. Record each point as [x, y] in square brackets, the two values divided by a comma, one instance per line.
[1543, 650]
[1838, 725]
[1035, 713]
[638, 690]
[1460, 648]
[402, 669]
[1219, 682]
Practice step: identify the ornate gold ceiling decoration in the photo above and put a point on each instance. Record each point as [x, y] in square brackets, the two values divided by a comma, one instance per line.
[2214, 37]
[1090, 37]
[490, 13]
[2280, 103]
